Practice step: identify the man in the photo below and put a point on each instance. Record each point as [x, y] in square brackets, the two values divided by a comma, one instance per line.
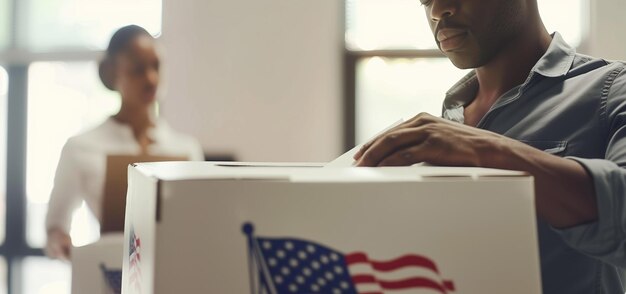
[531, 104]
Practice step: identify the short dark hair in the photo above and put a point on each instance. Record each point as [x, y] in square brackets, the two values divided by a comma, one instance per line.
[119, 42]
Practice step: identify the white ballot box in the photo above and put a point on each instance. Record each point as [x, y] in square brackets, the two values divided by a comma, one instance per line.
[239, 228]
[97, 267]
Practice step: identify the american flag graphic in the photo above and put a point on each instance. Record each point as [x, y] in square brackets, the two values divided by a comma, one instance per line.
[289, 265]
[113, 279]
[134, 278]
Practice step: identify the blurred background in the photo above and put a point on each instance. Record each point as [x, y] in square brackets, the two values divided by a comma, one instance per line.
[273, 80]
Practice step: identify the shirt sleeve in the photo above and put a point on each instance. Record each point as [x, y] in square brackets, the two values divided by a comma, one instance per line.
[605, 238]
[65, 196]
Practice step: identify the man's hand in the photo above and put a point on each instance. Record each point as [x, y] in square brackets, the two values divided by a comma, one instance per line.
[564, 191]
[426, 138]
[58, 244]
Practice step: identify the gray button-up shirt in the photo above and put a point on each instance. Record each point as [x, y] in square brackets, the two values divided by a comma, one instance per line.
[573, 106]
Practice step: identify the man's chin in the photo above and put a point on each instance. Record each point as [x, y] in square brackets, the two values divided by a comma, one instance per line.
[462, 61]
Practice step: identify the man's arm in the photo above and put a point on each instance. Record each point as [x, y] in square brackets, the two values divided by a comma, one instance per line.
[565, 194]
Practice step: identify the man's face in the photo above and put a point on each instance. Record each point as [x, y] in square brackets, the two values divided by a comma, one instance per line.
[472, 32]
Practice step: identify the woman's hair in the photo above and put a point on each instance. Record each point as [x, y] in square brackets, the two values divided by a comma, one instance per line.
[119, 42]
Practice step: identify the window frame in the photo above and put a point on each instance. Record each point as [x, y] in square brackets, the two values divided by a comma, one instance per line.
[14, 247]
[351, 59]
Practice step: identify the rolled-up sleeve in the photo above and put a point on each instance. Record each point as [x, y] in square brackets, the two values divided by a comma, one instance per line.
[65, 196]
[605, 238]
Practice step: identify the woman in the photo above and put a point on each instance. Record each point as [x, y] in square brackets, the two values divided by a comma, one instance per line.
[130, 67]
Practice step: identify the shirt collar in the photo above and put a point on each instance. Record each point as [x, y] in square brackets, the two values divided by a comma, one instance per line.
[462, 92]
[556, 62]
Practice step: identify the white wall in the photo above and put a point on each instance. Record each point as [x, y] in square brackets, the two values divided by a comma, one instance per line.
[261, 79]
[607, 38]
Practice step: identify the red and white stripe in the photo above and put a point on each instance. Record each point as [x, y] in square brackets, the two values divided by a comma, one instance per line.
[135, 265]
[404, 274]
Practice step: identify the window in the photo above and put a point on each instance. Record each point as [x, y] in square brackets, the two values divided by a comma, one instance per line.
[64, 98]
[50, 48]
[5, 18]
[389, 24]
[78, 24]
[395, 69]
[43, 275]
[392, 88]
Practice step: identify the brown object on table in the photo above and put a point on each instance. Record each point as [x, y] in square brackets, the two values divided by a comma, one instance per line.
[116, 185]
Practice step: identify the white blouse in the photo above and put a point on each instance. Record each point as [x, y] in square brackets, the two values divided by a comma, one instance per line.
[81, 170]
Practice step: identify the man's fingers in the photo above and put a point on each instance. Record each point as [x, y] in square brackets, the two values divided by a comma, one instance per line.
[419, 120]
[404, 157]
[369, 144]
[391, 143]
[363, 149]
